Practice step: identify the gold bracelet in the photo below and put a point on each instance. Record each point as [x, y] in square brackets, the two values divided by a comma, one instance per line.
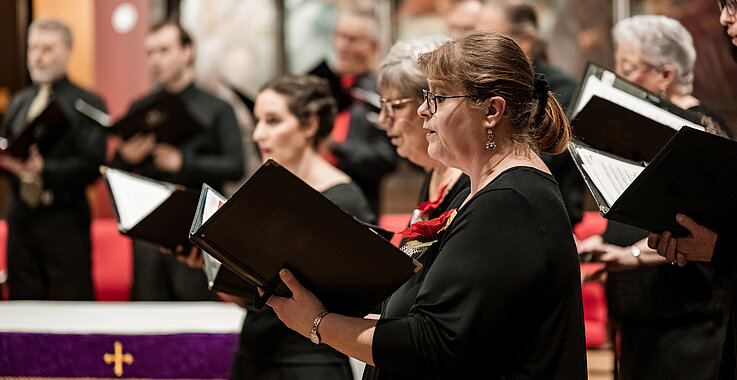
[314, 336]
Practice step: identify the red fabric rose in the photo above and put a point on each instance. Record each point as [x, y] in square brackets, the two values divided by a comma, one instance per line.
[428, 229]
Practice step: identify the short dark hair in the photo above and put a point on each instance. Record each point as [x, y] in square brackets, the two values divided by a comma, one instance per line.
[307, 96]
[184, 37]
[520, 16]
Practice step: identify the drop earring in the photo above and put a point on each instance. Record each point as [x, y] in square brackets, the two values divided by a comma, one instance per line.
[490, 144]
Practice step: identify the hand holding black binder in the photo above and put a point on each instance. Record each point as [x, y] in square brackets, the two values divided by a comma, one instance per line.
[164, 115]
[275, 220]
[153, 211]
[694, 174]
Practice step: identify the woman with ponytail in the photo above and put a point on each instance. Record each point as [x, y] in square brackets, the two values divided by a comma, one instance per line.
[501, 295]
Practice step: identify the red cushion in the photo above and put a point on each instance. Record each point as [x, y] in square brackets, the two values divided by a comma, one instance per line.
[591, 224]
[112, 261]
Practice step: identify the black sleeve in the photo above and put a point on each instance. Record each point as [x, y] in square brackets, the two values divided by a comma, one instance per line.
[369, 157]
[725, 253]
[224, 164]
[80, 166]
[481, 271]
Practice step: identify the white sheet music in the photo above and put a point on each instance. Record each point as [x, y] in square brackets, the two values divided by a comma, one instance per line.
[212, 204]
[610, 176]
[135, 197]
[595, 87]
[212, 265]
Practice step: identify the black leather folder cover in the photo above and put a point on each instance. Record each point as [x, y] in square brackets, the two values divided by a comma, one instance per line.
[163, 115]
[275, 220]
[694, 174]
[44, 131]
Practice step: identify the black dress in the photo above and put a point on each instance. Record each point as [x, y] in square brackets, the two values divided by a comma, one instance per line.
[213, 157]
[667, 315]
[500, 297]
[49, 246]
[267, 349]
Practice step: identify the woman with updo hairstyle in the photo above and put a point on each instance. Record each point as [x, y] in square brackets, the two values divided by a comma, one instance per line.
[401, 83]
[295, 113]
[501, 295]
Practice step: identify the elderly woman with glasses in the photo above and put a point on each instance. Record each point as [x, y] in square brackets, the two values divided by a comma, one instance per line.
[657, 53]
[665, 316]
[401, 83]
[501, 296]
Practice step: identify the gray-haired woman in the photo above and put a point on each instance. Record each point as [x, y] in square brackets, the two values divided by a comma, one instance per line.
[401, 83]
[657, 53]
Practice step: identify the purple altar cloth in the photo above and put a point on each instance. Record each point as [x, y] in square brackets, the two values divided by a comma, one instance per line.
[173, 356]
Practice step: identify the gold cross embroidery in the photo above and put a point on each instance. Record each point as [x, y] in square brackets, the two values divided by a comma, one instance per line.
[118, 358]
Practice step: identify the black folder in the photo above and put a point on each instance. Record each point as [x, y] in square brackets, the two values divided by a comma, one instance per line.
[275, 220]
[44, 131]
[694, 174]
[616, 128]
[164, 115]
[156, 212]
[223, 280]
[219, 277]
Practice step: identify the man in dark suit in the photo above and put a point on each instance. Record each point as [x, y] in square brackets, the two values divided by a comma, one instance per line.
[49, 217]
[212, 156]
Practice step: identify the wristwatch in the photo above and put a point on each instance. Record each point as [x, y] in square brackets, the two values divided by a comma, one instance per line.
[636, 253]
[314, 336]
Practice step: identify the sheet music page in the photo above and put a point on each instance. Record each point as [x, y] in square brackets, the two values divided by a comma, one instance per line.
[212, 265]
[610, 176]
[594, 86]
[135, 197]
[212, 203]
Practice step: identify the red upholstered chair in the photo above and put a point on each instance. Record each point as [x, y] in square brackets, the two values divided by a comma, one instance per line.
[395, 223]
[112, 261]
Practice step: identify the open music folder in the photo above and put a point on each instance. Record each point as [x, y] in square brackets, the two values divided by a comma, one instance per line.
[694, 174]
[275, 220]
[617, 116]
[164, 115]
[157, 212]
[44, 131]
[219, 277]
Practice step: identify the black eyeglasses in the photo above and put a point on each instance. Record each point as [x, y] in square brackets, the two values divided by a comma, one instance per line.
[432, 99]
[729, 5]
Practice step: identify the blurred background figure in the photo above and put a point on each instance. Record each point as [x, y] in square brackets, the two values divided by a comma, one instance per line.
[355, 145]
[462, 17]
[211, 156]
[48, 218]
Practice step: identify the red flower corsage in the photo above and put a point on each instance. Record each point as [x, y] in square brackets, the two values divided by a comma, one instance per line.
[424, 233]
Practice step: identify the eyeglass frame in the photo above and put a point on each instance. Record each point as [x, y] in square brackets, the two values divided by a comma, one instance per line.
[389, 104]
[639, 67]
[426, 99]
[729, 6]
